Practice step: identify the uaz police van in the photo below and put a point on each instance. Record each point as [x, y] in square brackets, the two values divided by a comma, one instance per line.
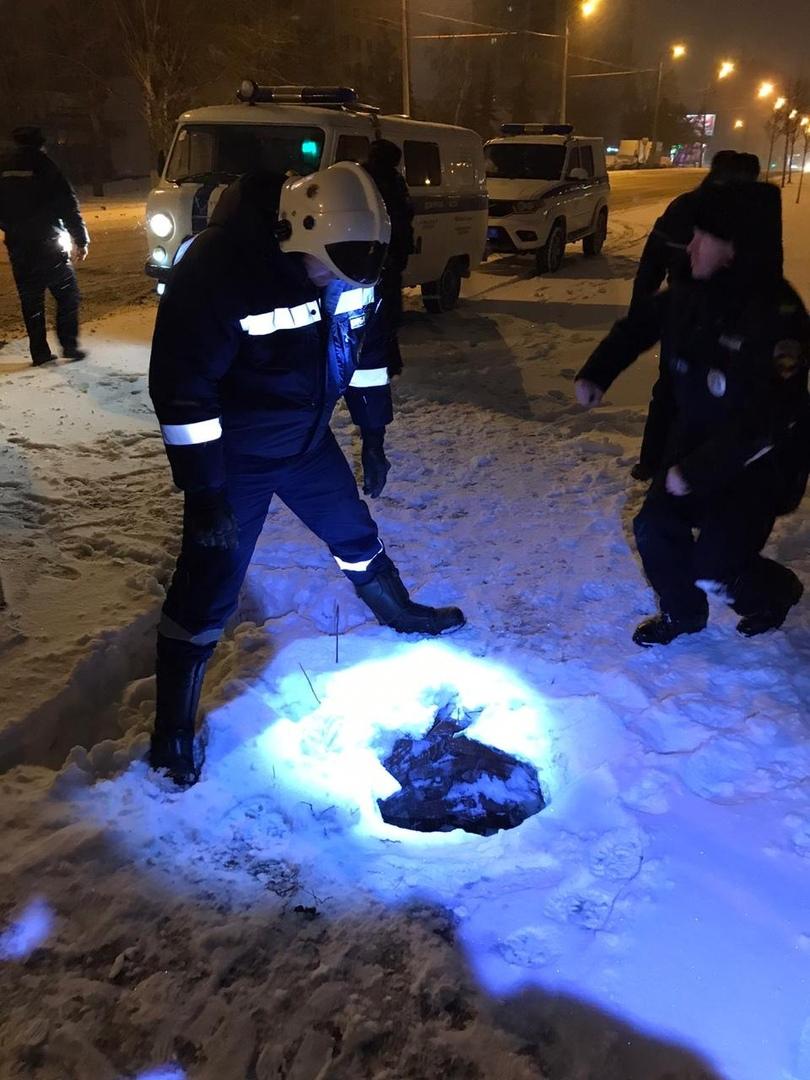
[301, 129]
[547, 188]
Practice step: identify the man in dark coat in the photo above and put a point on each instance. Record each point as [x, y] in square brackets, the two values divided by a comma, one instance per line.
[665, 258]
[258, 335]
[40, 216]
[735, 341]
[383, 167]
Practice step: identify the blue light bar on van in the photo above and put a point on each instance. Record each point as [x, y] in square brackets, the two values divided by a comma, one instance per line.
[252, 93]
[537, 129]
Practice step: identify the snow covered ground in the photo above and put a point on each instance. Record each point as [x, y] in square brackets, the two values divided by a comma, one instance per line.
[652, 923]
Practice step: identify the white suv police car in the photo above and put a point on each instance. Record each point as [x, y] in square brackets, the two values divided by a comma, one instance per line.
[547, 188]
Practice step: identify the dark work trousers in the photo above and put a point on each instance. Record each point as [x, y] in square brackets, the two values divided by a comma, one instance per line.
[389, 293]
[33, 278]
[320, 489]
[657, 426]
[732, 528]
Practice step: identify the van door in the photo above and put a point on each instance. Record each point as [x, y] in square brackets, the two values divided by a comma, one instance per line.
[352, 148]
[423, 175]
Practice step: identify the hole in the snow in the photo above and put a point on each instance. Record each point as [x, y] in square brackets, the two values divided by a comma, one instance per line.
[449, 781]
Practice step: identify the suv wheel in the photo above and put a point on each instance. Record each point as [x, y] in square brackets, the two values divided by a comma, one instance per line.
[550, 257]
[442, 295]
[593, 244]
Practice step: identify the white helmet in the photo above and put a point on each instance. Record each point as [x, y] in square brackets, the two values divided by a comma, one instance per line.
[336, 215]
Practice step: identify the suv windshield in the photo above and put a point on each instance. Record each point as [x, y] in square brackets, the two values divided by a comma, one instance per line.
[202, 151]
[525, 161]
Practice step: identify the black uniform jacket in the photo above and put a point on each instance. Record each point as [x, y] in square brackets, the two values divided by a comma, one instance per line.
[36, 204]
[249, 357]
[739, 366]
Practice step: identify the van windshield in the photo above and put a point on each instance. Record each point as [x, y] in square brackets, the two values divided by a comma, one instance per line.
[211, 151]
[525, 161]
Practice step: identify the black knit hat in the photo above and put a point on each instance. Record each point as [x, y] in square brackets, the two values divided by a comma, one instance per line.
[750, 217]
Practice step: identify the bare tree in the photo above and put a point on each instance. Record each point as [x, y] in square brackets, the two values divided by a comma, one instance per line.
[162, 46]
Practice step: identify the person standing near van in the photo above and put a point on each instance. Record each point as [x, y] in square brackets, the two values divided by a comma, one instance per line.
[37, 208]
[258, 335]
[382, 165]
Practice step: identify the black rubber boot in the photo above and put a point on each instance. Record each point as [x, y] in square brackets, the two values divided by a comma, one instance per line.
[179, 679]
[642, 472]
[759, 622]
[389, 600]
[662, 629]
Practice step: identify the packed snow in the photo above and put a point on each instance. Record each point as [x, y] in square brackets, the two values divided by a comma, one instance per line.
[651, 923]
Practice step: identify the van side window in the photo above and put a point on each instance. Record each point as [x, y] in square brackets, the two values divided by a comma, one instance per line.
[423, 166]
[573, 160]
[586, 159]
[352, 148]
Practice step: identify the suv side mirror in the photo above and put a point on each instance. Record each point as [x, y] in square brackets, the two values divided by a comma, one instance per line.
[578, 174]
[161, 162]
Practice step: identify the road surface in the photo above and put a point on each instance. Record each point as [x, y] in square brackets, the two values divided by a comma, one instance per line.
[113, 274]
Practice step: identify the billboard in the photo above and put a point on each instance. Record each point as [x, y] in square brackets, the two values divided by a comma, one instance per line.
[703, 123]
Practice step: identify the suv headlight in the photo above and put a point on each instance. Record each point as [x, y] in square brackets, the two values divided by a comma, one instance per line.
[161, 225]
[527, 207]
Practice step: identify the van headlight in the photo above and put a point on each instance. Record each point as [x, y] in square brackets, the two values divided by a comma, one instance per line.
[159, 256]
[161, 225]
[527, 207]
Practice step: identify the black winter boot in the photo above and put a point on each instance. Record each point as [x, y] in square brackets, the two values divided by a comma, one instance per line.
[771, 618]
[662, 629]
[389, 600]
[179, 679]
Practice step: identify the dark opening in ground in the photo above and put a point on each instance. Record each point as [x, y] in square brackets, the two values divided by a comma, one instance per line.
[452, 782]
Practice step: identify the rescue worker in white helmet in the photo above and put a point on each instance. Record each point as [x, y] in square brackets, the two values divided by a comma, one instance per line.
[258, 335]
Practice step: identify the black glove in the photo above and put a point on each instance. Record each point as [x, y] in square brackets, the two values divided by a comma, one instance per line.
[375, 463]
[209, 519]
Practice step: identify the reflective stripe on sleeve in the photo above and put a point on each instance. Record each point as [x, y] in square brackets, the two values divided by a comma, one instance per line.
[20, 174]
[358, 566]
[760, 453]
[363, 377]
[191, 434]
[281, 319]
[354, 300]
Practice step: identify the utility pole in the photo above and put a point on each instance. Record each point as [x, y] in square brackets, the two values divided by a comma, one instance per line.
[657, 111]
[406, 61]
[566, 36]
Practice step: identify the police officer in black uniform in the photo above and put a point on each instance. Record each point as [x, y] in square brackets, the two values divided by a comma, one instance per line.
[736, 342]
[382, 166]
[665, 258]
[258, 335]
[38, 207]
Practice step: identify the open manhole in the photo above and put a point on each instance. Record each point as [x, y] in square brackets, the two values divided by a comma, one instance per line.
[449, 781]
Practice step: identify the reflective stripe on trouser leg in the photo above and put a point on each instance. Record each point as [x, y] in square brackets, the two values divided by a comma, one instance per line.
[65, 291]
[321, 491]
[363, 564]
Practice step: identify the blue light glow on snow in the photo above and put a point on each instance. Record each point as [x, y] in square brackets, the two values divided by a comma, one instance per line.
[334, 753]
[163, 1072]
[27, 932]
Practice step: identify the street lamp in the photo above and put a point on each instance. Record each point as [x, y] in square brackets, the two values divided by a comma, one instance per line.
[739, 124]
[766, 88]
[587, 9]
[677, 52]
[726, 68]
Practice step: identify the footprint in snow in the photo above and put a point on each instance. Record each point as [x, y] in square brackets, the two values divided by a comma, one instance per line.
[531, 946]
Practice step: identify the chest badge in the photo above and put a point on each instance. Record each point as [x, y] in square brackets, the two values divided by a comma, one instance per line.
[716, 381]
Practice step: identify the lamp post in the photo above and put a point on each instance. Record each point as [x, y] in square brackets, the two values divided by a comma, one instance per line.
[677, 52]
[406, 60]
[587, 8]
